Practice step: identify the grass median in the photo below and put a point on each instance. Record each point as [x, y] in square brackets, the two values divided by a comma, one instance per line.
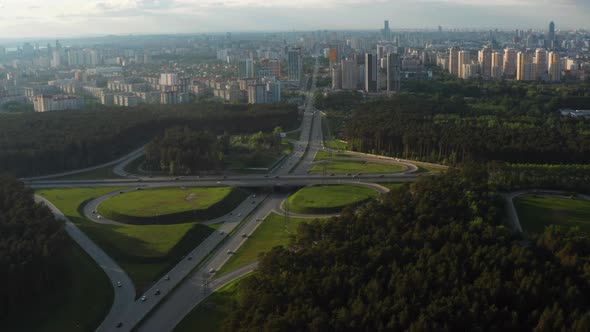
[537, 212]
[345, 167]
[328, 199]
[273, 231]
[145, 252]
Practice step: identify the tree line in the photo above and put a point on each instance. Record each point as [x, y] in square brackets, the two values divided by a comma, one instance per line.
[43, 143]
[32, 245]
[431, 256]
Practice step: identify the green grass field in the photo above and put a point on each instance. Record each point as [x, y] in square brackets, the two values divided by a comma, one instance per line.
[274, 231]
[535, 213]
[430, 169]
[391, 186]
[99, 173]
[328, 199]
[163, 201]
[344, 167]
[80, 304]
[336, 144]
[146, 251]
[209, 314]
[324, 155]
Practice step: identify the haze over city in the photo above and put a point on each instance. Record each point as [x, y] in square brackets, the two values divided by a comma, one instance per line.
[69, 18]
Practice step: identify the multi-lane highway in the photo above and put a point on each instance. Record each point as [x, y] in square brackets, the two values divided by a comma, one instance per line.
[191, 280]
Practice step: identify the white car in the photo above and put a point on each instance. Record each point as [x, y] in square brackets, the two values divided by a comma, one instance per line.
[143, 298]
[119, 284]
[99, 217]
[229, 252]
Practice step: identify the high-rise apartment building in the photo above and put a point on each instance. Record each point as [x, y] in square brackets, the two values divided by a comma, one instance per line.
[540, 64]
[496, 65]
[510, 59]
[245, 68]
[485, 61]
[336, 76]
[168, 79]
[371, 72]
[464, 59]
[554, 66]
[257, 94]
[524, 67]
[295, 62]
[349, 74]
[393, 72]
[454, 61]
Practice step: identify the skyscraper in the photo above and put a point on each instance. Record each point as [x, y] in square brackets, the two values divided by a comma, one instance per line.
[371, 72]
[386, 32]
[454, 61]
[393, 72]
[551, 34]
[295, 60]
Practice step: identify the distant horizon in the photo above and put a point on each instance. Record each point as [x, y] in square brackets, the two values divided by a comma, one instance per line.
[18, 41]
[36, 19]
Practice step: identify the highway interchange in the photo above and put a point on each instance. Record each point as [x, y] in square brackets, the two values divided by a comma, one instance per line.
[193, 278]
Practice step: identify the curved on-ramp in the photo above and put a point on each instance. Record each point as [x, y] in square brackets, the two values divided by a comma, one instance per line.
[125, 294]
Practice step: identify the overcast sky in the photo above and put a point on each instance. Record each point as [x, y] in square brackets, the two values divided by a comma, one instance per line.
[69, 18]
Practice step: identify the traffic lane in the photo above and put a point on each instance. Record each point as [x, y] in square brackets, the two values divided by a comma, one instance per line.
[191, 292]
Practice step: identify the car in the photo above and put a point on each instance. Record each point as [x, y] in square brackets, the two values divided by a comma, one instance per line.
[258, 219]
[276, 177]
[253, 195]
[190, 258]
[138, 188]
[167, 277]
[224, 177]
[218, 182]
[244, 235]
[94, 212]
[348, 174]
[239, 214]
[211, 270]
[157, 292]
[99, 217]
[120, 192]
[119, 324]
[332, 174]
[266, 175]
[143, 298]
[176, 179]
[221, 232]
[229, 252]
[119, 284]
[231, 213]
[381, 176]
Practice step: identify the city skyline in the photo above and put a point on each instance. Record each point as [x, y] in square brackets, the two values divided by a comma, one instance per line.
[67, 18]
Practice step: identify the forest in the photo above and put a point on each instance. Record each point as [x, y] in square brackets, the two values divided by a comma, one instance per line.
[503, 122]
[431, 256]
[181, 151]
[43, 143]
[31, 248]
